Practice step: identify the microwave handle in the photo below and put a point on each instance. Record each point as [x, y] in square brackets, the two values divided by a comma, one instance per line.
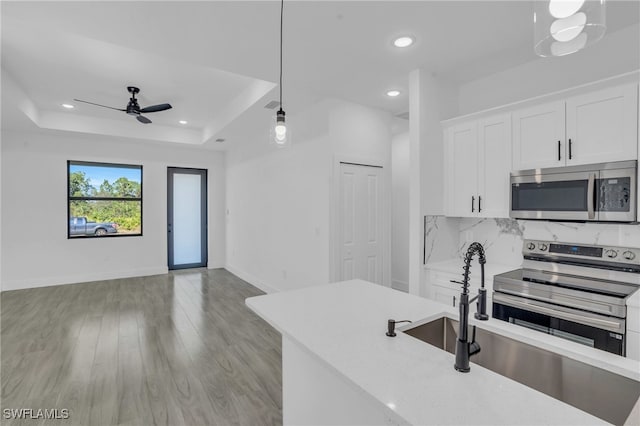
[590, 196]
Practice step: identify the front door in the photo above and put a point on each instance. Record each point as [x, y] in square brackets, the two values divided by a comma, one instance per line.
[187, 217]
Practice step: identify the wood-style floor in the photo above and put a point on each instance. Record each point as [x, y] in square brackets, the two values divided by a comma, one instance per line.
[176, 349]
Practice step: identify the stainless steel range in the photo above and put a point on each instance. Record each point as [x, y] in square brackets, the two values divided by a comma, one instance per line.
[577, 292]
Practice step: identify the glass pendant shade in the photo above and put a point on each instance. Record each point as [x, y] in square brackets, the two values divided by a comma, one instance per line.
[562, 27]
[280, 134]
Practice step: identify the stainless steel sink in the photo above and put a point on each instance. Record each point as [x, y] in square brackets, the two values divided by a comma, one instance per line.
[599, 392]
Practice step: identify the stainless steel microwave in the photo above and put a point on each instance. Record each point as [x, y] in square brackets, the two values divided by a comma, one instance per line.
[604, 192]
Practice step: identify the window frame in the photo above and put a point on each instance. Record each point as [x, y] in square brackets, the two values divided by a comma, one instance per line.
[103, 164]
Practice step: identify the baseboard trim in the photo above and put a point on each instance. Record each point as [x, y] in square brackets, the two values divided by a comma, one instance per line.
[400, 285]
[217, 266]
[9, 285]
[251, 279]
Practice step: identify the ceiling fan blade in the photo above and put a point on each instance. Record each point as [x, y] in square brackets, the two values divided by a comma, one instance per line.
[156, 108]
[104, 106]
[143, 119]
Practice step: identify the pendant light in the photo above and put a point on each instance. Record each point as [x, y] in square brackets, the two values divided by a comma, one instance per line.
[280, 135]
[562, 27]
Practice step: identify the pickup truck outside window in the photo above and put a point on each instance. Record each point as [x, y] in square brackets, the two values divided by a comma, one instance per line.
[104, 200]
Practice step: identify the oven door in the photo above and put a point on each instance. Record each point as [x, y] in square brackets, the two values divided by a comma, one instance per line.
[597, 331]
[559, 196]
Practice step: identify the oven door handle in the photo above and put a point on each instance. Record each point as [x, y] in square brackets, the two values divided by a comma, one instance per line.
[616, 326]
[590, 197]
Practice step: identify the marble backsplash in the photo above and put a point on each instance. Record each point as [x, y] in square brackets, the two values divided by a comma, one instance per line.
[502, 238]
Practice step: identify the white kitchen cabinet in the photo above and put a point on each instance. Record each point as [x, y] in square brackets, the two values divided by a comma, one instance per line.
[443, 290]
[538, 136]
[592, 128]
[602, 126]
[478, 162]
[494, 166]
[461, 161]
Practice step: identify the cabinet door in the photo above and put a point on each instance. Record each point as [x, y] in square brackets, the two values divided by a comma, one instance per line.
[445, 295]
[494, 165]
[538, 137]
[462, 151]
[602, 126]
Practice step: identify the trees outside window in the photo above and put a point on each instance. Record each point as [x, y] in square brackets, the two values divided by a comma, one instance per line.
[104, 199]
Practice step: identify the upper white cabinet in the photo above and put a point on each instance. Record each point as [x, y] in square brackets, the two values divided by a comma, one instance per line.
[478, 162]
[602, 126]
[494, 166]
[538, 137]
[462, 166]
[592, 128]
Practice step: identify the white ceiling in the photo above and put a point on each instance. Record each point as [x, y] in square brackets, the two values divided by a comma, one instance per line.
[214, 60]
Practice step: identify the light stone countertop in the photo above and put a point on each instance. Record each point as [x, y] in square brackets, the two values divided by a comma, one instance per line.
[343, 325]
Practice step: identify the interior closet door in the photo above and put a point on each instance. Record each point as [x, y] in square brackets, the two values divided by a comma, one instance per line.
[361, 223]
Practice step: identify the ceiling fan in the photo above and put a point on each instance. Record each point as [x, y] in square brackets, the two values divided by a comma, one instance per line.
[133, 108]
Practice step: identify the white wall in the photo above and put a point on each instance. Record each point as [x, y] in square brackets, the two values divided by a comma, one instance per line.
[279, 200]
[277, 204]
[615, 54]
[278, 217]
[35, 248]
[400, 212]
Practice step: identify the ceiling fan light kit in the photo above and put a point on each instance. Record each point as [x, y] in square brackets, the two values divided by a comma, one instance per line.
[562, 27]
[133, 108]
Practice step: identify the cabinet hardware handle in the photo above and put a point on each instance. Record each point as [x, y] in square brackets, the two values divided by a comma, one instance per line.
[559, 146]
[454, 301]
[479, 203]
[570, 155]
[473, 204]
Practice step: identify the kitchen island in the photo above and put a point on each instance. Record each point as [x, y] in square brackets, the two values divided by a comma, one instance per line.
[339, 367]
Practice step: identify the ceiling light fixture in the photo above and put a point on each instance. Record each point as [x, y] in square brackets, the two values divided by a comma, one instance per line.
[183, 122]
[404, 41]
[279, 134]
[68, 106]
[393, 93]
[562, 27]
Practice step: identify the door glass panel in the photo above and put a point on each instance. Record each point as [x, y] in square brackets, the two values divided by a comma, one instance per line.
[187, 210]
[570, 196]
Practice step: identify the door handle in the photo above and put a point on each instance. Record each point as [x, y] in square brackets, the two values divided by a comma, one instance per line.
[473, 204]
[454, 301]
[570, 155]
[590, 196]
[559, 147]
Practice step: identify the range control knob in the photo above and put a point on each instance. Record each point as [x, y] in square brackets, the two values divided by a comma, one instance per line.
[611, 253]
[543, 247]
[629, 255]
[531, 246]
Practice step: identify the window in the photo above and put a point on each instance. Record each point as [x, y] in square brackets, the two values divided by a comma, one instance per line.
[104, 200]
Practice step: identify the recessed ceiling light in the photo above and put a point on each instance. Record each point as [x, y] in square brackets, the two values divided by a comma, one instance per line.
[404, 41]
[68, 106]
[183, 121]
[393, 93]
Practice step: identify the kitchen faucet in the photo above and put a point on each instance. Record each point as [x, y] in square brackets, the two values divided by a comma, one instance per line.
[464, 348]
